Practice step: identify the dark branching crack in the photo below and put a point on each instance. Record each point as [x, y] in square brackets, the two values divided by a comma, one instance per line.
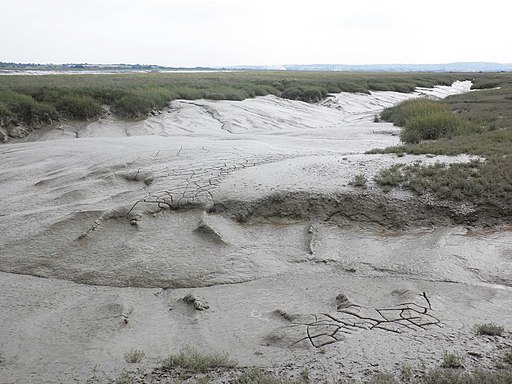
[328, 328]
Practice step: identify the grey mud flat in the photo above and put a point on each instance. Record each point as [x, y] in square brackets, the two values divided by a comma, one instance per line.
[106, 226]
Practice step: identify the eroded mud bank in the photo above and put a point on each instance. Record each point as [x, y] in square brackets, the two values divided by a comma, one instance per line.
[106, 226]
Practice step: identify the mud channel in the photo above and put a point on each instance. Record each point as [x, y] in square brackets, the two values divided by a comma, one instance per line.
[247, 207]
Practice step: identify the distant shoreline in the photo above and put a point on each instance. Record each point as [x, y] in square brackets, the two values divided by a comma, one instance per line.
[38, 69]
[42, 72]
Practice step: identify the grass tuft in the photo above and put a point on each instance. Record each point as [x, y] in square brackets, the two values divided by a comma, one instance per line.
[139, 102]
[452, 360]
[489, 329]
[308, 94]
[78, 107]
[406, 110]
[134, 356]
[24, 108]
[389, 178]
[450, 376]
[124, 378]
[359, 181]
[425, 119]
[195, 361]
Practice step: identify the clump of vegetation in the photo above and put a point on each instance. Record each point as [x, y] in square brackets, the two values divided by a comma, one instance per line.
[409, 109]
[134, 356]
[359, 181]
[486, 183]
[389, 178]
[195, 361]
[483, 183]
[406, 373]
[305, 93]
[489, 329]
[441, 180]
[425, 119]
[124, 378]
[448, 373]
[452, 360]
[139, 102]
[304, 375]
[41, 99]
[435, 126]
[450, 376]
[79, 107]
[486, 83]
[22, 108]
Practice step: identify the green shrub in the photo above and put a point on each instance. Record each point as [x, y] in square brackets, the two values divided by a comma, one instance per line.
[25, 108]
[134, 356]
[452, 360]
[36, 99]
[359, 181]
[388, 178]
[78, 107]
[314, 94]
[435, 126]
[397, 86]
[450, 376]
[124, 378]
[307, 94]
[348, 86]
[4, 112]
[227, 94]
[293, 93]
[133, 105]
[489, 329]
[188, 93]
[192, 360]
[140, 102]
[486, 83]
[406, 373]
[401, 113]
[425, 119]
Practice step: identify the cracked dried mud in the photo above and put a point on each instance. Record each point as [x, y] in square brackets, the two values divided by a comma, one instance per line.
[246, 207]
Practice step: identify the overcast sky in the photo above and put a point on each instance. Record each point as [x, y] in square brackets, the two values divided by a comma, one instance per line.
[267, 32]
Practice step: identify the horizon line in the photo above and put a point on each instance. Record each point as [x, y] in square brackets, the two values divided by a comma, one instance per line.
[257, 65]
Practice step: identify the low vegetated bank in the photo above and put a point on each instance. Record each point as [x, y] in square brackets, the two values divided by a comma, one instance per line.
[481, 182]
[426, 119]
[196, 361]
[481, 125]
[191, 365]
[37, 100]
[455, 374]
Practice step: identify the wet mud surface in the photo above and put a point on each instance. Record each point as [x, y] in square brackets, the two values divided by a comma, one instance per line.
[246, 208]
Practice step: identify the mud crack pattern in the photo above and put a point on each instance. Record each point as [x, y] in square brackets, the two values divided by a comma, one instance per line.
[319, 330]
[190, 179]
